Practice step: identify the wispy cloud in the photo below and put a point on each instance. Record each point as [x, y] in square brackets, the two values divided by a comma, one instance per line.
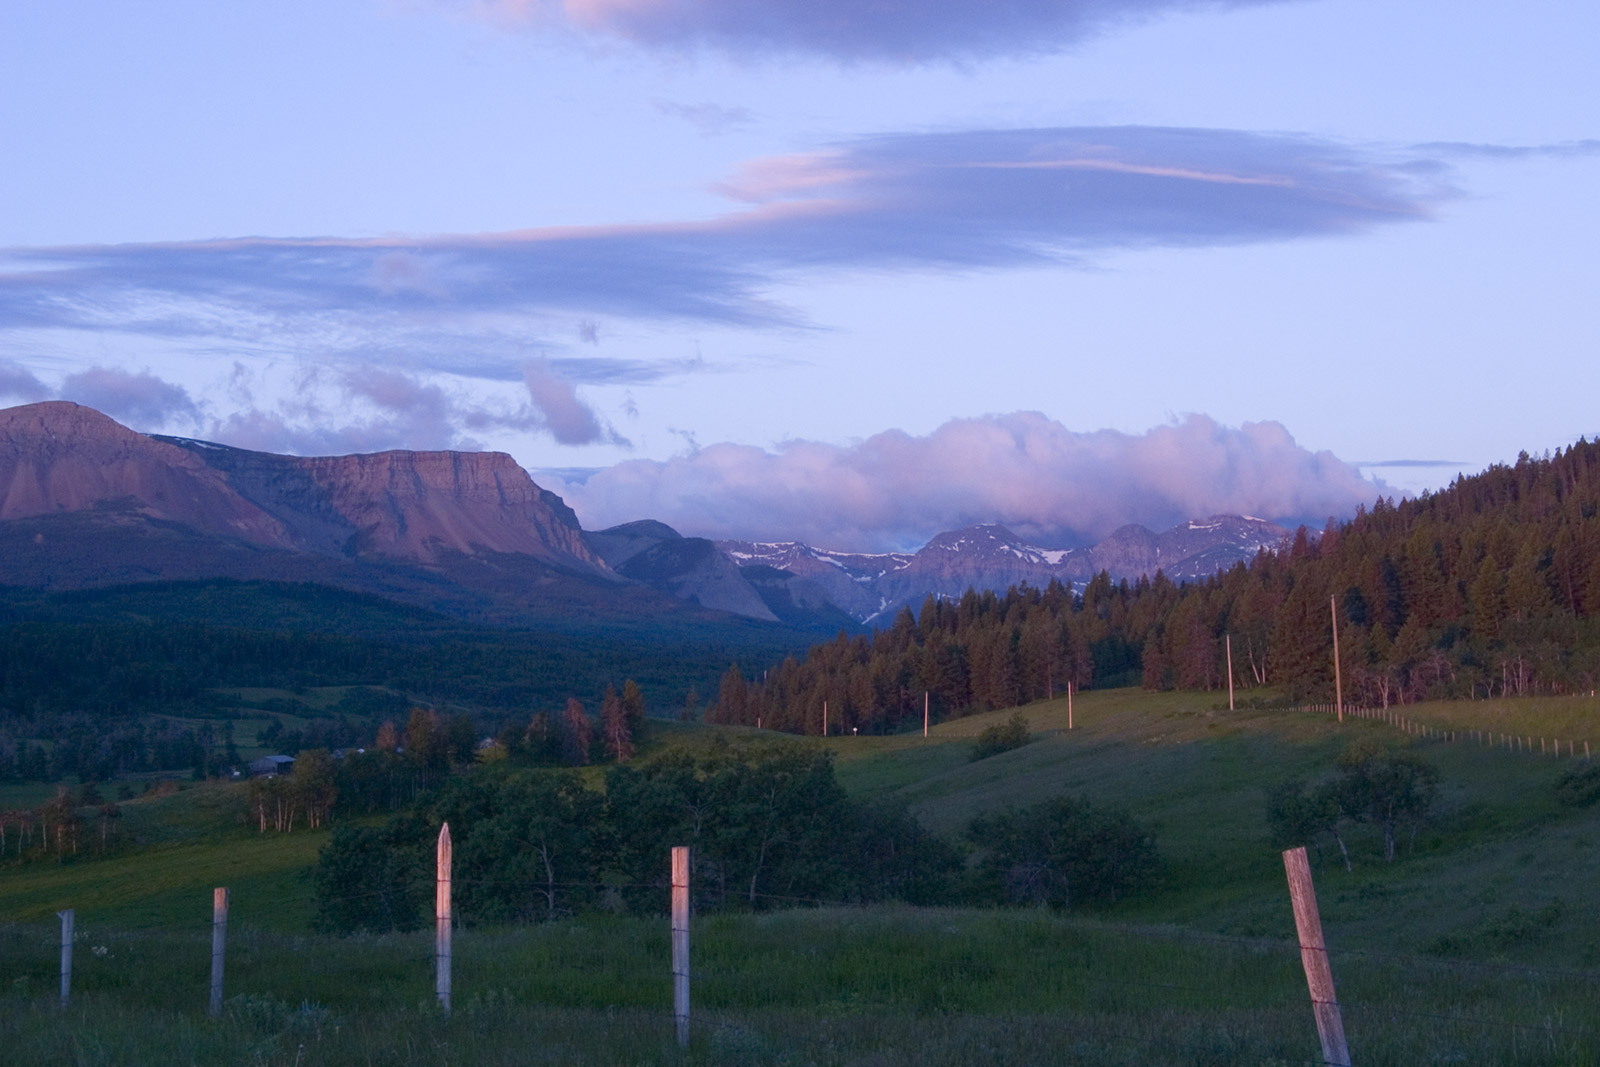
[1558, 150]
[892, 31]
[709, 119]
[1047, 482]
[370, 409]
[964, 200]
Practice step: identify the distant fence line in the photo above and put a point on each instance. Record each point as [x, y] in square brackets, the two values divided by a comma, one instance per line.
[1548, 746]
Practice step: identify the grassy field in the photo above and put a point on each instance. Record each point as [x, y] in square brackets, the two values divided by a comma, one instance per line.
[866, 988]
[1474, 947]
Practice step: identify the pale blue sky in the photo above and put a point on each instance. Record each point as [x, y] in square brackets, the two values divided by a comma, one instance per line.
[1372, 223]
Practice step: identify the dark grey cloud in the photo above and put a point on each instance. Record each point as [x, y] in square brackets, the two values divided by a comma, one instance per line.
[966, 200]
[142, 399]
[1047, 482]
[892, 31]
[19, 383]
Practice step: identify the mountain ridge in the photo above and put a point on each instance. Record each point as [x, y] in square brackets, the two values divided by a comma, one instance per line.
[86, 501]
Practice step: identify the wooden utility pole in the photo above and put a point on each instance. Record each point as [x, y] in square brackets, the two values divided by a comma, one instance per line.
[1314, 958]
[441, 922]
[1228, 639]
[219, 943]
[680, 942]
[68, 919]
[924, 713]
[1338, 684]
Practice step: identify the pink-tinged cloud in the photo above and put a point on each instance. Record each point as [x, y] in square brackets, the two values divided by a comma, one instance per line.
[369, 409]
[17, 382]
[141, 400]
[956, 201]
[1050, 484]
[893, 31]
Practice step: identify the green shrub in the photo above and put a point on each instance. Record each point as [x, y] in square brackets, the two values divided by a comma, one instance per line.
[1579, 787]
[1063, 852]
[1002, 737]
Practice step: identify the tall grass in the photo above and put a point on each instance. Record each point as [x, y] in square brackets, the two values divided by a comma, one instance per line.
[879, 986]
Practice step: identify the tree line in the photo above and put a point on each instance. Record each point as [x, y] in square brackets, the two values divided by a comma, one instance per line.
[1488, 588]
[768, 826]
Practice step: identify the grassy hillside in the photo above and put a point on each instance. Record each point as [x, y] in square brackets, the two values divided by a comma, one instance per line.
[1473, 946]
[1503, 871]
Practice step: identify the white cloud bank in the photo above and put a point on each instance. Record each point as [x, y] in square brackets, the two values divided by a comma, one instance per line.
[1048, 483]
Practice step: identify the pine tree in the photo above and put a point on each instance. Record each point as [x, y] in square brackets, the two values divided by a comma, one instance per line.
[614, 730]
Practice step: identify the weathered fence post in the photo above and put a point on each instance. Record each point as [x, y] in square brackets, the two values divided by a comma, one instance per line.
[924, 713]
[680, 942]
[1069, 705]
[1314, 958]
[219, 942]
[68, 918]
[441, 922]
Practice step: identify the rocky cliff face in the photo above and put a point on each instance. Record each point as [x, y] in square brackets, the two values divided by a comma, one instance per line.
[60, 457]
[62, 460]
[404, 505]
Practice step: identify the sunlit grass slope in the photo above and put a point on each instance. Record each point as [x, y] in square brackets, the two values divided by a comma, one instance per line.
[1503, 870]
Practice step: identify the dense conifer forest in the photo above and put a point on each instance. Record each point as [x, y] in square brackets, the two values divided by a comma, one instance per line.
[1488, 588]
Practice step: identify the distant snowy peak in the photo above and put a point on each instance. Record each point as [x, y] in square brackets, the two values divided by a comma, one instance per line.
[872, 586]
[802, 558]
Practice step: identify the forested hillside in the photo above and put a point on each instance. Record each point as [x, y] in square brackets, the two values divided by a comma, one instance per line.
[1488, 588]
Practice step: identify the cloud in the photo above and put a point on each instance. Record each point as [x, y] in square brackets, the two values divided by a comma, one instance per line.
[364, 410]
[1557, 150]
[961, 200]
[1046, 482]
[17, 382]
[138, 398]
[709, 119]
[568, 419]
[893, 31]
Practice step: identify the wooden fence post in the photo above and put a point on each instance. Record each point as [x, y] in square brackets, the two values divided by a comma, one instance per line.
[1314, 958]
[924, 713]
[441, 922]
[219, 942]
[68, 918]
[680, 942]
[1069, 705]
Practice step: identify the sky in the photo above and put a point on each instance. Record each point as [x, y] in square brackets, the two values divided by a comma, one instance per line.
[843, 272]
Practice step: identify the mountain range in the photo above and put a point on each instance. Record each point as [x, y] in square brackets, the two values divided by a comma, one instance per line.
[86, 502]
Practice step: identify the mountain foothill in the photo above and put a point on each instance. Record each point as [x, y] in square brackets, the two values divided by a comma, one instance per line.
[86, 502]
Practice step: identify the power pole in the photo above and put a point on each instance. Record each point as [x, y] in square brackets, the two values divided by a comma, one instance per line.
[1338, 684]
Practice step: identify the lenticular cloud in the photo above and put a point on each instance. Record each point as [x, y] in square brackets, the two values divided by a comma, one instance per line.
[1048, 483]
[895, 31]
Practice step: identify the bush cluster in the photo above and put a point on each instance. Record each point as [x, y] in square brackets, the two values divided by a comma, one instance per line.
[768, 825]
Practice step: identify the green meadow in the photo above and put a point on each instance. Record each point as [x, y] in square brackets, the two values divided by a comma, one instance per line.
[1475, 946]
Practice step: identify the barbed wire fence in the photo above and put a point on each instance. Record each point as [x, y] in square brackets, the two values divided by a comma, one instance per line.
[1548, 746]
[1100, 1004]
